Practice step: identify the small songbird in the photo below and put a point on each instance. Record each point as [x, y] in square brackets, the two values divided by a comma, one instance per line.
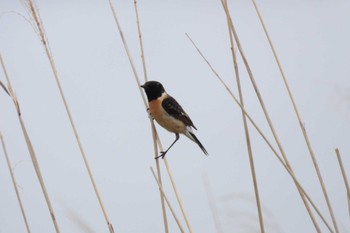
[169, 114]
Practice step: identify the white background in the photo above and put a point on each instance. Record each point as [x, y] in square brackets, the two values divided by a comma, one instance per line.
[312, 40]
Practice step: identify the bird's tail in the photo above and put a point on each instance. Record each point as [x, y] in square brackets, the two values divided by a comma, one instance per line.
[195, 139]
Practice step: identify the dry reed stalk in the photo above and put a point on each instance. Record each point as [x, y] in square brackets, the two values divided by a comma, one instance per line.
[175, 189]
[301, 124]
[344, 177]
[38, 172]
[126, 47]
[35, 14]
[266, 114]
[177, 196]
[145, 103]
[141, 43]
[211, 201]
[30, 147]
[154, 137]
[4, 88]
[167, 201]
[154, 131]
[14, 183]
[262, 135]
[246, 130]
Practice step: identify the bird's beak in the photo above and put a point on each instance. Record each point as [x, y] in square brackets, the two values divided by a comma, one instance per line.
[143, 86]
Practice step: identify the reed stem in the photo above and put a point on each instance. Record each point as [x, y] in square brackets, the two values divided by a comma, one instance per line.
[167, 201]
[246, 130]
[303, 130]
[14, 183]
[262, 135]
[35, 14]
[154, 132]
[30, 147]
[267, 116]
[346, 183]
[145, 103]
[178, 196]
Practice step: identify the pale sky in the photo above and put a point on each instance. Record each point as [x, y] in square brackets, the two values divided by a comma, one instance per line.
[312, 41]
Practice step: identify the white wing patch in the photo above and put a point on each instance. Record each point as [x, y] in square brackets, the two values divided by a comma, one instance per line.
[189, 128]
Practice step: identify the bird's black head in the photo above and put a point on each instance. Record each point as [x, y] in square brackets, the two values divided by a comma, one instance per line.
[153, 89]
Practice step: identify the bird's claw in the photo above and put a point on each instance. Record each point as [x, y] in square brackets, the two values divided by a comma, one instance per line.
[162, 154]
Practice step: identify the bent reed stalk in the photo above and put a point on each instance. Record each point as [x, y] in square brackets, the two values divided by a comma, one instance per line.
[39, 25]
[145, 103]
[301, 124]
[264, 109]
[167, 201]
[346, 183]
[246, 129]
[13, 179]
[30, 147]
[262, 135]
[154, 131]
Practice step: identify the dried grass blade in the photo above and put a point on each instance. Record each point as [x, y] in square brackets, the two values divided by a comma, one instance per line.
[145, 103]
[346, 183]
[4, 87]
[262, 135]
[246, 130]
[167, 201]
[35, 14]
[264, 109]
[154, 131]
[30, 147]
[305, 135]
[14, 183]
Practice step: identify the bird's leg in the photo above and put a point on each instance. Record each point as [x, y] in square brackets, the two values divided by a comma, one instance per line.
[162, 154]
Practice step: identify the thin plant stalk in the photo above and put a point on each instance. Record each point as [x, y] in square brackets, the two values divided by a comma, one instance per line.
[154, 131]
[177, 196]
[38, 172]
[34, 12]
[126, 47]
[262, 135]
[4, 88]
[306, 137]
[344, 177]
[154, 136]
[175, 191]
[246, 130]
[145, 103]
[211, 201]
[14, 183]
[30, 147]
[267, 116]
[167, 201]
[141, 43]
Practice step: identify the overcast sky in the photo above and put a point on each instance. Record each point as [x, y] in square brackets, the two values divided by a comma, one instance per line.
[312, 41]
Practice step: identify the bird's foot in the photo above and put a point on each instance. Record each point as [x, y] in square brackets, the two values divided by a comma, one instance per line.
[162, 154]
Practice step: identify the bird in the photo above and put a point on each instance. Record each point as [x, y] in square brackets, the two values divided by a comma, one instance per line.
[169, 114]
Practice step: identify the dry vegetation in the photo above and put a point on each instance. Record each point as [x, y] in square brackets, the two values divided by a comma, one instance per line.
[247, 119]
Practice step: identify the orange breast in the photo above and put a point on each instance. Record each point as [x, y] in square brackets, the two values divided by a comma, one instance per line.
[155, 108]
[164, 119]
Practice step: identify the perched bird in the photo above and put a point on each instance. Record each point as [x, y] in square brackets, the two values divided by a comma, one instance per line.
[169, 114]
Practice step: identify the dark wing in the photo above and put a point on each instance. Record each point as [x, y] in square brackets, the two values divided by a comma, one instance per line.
[173, 108]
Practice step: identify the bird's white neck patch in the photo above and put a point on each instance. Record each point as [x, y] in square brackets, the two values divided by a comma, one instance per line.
[163, 96]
